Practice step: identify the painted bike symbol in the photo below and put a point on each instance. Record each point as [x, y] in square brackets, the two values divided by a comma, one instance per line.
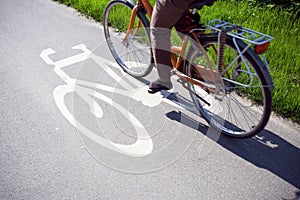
[143, 145]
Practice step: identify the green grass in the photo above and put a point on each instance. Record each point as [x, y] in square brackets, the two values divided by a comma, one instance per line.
[283, 54]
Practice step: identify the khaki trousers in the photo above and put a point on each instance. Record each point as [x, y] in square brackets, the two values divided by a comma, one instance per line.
[165, 14]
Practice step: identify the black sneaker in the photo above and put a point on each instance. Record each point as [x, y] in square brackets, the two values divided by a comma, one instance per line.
[157, 86]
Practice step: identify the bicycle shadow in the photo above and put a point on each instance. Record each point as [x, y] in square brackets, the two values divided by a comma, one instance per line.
[267, 150]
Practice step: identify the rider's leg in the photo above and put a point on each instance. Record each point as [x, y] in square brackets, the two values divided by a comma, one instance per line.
[165, 15]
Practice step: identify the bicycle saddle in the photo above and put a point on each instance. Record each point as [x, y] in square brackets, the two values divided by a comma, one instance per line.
[200, 3]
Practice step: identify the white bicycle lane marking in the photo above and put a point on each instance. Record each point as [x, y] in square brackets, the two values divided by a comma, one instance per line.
[143, 145]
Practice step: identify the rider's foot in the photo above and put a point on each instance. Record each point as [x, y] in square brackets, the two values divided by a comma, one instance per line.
[158, 85]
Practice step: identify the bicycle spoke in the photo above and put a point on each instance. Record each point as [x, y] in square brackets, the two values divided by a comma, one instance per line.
[230, 110]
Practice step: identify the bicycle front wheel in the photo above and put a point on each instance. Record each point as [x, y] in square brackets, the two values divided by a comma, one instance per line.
[243, 106]
[130, 48]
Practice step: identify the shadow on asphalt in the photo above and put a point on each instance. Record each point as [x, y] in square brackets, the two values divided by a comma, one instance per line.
[266, 150]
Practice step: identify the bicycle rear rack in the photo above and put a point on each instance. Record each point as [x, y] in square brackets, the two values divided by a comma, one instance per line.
[251, 38]
[245, 34]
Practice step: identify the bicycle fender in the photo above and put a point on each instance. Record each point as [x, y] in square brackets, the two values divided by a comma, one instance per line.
[131, 2]
[266, 73]
[262, 66]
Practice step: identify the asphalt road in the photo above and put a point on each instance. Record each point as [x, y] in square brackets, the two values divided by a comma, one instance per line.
[126, 144]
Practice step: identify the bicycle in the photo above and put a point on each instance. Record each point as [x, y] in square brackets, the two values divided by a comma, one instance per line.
[221, 64]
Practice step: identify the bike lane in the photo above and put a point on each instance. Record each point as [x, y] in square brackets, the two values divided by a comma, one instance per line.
[43, 155]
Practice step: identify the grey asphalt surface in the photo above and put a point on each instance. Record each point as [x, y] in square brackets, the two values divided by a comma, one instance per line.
[42, 156]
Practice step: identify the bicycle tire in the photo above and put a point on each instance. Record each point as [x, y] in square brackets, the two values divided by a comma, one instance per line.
[234, 114]
[133, 54]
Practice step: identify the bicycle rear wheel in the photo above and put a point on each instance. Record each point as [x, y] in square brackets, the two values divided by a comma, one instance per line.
[132, 51]
[231, 111]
